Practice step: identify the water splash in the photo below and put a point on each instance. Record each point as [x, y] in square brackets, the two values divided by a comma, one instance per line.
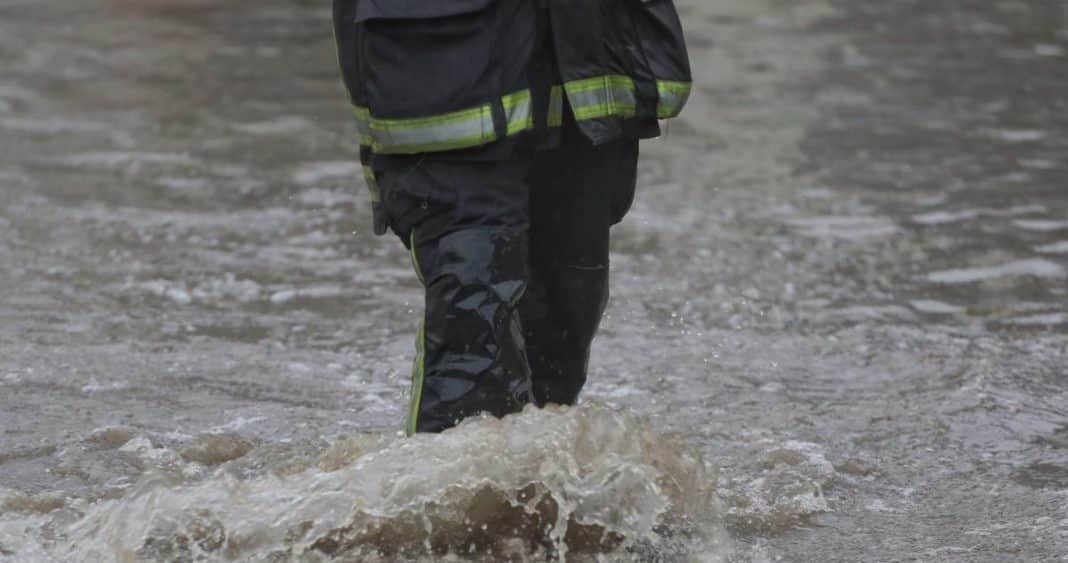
[783, 488]
[570, 484]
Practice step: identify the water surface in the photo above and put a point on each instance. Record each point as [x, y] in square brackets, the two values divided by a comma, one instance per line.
[839, 318]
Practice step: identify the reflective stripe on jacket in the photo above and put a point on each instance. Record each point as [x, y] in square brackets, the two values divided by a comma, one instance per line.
[437, 75]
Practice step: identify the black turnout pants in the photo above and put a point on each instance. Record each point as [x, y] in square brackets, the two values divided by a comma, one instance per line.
[513, 254]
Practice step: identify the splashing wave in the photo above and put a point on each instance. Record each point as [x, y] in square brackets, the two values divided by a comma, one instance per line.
[561, 483]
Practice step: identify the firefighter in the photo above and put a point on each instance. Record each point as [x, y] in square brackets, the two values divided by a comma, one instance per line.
[499, 140]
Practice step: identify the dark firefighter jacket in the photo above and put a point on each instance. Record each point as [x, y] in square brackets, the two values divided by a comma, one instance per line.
[440, 75]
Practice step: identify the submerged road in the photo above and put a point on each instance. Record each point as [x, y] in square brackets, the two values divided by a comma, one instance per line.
[844, 286]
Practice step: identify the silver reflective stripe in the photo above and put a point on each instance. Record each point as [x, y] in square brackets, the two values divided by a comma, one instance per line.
[460, 129]
[590, 98]
[673, 97]
[467, 128]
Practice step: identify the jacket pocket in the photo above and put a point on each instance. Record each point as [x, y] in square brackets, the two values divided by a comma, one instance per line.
[430, 67]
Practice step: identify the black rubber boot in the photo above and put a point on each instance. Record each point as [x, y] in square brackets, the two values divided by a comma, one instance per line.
[561, 315]
[471, 355]
[577, 192]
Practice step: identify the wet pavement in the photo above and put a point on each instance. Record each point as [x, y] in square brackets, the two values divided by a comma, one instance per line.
[843, 289]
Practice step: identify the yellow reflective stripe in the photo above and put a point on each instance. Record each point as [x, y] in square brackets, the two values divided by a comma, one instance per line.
[372, 184]
[674, 86]
[616, 96]
[599, 83]
[602, 96]
[363, 124]
[518, 111]
[465, 128]
[443, 119]
[458, 129]
[556, 106]
[673, 97]
[590, 98]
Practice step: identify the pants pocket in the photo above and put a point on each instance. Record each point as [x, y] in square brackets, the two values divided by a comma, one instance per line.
[411, 194]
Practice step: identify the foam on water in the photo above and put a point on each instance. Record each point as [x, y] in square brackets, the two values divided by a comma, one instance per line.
[943, 217]
[854, 227]
[574, 484]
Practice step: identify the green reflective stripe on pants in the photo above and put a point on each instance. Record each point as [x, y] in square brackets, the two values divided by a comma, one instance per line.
[418, 369]
[602, 96]
[673, 96]
[415, 258]
[372, 184]
[419, 364]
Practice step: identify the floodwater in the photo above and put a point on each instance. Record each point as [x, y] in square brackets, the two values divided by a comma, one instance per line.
[839, 327]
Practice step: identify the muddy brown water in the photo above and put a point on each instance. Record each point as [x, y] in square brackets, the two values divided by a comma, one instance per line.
[839, 327]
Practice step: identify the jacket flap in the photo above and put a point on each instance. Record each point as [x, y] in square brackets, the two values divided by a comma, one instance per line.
[416, 9]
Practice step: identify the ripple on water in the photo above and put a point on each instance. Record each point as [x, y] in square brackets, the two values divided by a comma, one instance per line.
[124, 158]
[278, 126]
[1041, 225]
[1037, 267]
[944, 217]
[1043, 476]
[1041, 320]
[843, 227]
[314, 172]
[1016, 135]
[936, 307]
[1060, 247]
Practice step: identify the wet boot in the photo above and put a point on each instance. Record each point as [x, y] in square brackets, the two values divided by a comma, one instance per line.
[470, 351]
[577, 192]
[561, 315]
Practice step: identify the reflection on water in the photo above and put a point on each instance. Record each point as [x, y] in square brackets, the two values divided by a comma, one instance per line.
[843, 291]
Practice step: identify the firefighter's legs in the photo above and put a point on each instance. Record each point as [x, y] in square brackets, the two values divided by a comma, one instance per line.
[466, 226]
[514, 259]
[578, 192]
